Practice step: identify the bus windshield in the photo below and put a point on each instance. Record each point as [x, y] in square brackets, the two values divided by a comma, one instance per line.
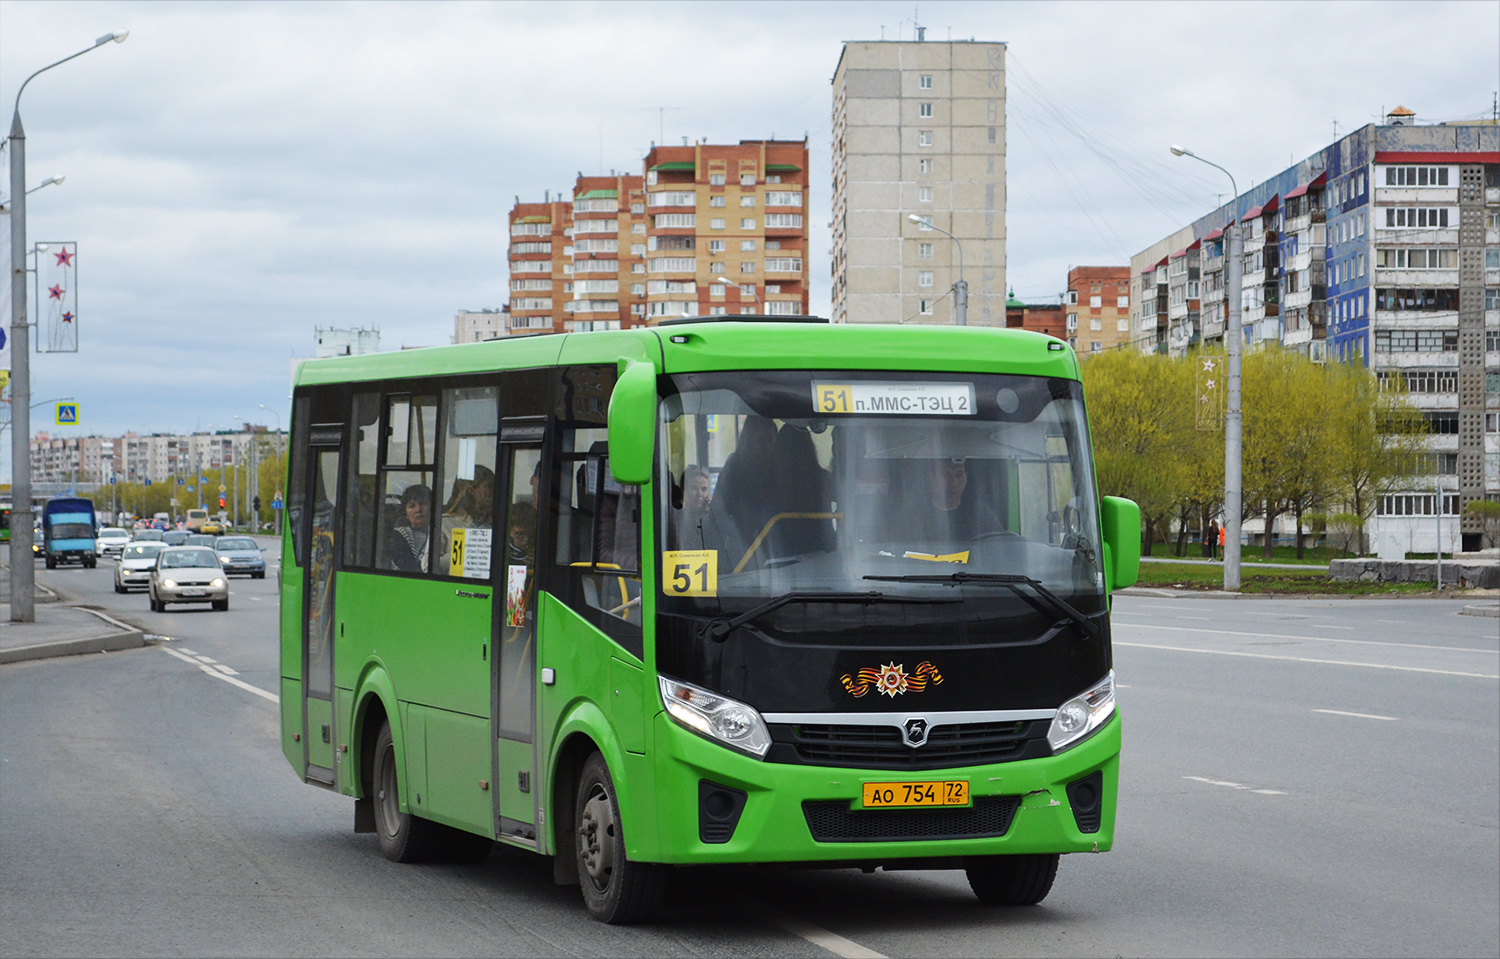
[928, 489]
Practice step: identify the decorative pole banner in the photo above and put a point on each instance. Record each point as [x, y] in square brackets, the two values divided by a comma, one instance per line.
[57, 276]
[1210, 393]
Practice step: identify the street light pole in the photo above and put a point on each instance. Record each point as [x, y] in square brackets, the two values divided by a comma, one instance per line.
[1233, 416]
[961, 288]
[22, 570]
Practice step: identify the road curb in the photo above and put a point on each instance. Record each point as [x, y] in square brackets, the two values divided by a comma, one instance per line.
[1491, 611]
[105, 643]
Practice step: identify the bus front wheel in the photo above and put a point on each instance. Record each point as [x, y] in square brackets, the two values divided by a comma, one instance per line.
[403, 837]
[1022, 880]
[615, 889]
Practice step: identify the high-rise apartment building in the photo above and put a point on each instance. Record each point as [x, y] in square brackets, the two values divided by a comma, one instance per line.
[608, 251]
[736, 212]
[1382, 248]
[918, 128]
[541, 265]
[1098, 306]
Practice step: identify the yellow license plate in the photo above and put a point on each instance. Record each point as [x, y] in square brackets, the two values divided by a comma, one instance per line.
[933, 793]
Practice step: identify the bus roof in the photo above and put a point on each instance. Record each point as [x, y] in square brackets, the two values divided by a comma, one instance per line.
[720, 345]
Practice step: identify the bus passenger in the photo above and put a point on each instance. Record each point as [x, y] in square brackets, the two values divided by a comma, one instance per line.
[744, 501]
[406, 547]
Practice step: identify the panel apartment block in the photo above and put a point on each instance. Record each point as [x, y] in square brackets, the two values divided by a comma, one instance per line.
[1382, 248]
[608, 251]
[736, 212]
[918, 128]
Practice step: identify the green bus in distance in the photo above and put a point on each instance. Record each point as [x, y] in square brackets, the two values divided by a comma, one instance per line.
[767, 590]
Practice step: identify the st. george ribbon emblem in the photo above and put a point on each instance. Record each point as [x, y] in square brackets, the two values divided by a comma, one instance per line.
[891, 679]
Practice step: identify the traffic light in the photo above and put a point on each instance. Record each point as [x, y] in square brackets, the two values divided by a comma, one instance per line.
[256, 504]
[221, 502]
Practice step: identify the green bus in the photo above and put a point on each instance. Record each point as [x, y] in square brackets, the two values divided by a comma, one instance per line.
[761, 590]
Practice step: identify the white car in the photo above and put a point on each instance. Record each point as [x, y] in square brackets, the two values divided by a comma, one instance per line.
[110, 541]
[137, 560]
[187, 574]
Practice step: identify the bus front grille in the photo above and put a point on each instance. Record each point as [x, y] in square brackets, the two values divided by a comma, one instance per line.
[835, 821]
[881, 747]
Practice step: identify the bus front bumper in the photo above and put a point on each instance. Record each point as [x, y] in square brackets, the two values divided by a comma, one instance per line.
[1014, 807]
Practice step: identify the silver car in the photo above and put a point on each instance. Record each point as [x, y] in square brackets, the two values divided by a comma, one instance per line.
[241, 555]
[137, 559]
[188, 574]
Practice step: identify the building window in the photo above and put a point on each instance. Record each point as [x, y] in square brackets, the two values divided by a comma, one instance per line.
[924, 110]
[925, 224]
[924, 81]
[637, 289]
[651, 178]
[924, 138]
[1492, 258]
[1123, 324]
[747, 246]
[1122, 302]
[747, 267]
[716, 223]
[773, 289]
[747, 223]
[747, 200]
[638, 268]
[924, 278]
[716, 201]
[924, 194]
[1416, 341]
[924, 307]
[1095, 323]
[1072, 297]
[714, 179]
[747, 179]
[1408, 259]
[637, 208]
[637, 249]
[716, 267]
[1491, 345]
[1416, 176]
[1072, 323]
[1416, 217]
[717, 310]
[716, 246]
[1095, 302]
[924, 165]
[924, 252]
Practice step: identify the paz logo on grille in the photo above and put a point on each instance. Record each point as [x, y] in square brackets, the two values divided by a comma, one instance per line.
[891, 679]
[914, 731]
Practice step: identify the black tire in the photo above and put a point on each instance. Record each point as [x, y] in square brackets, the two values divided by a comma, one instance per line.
[221, 605]
[259, 575]
[119, 588]
[615, 889]
[1022, 880]
[403, 837]
[51, 563]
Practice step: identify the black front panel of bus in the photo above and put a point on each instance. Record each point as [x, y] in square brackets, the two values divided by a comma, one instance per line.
[1004, 662]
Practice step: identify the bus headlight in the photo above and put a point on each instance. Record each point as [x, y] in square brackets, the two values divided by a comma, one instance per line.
[1083, 714]
[716, 717]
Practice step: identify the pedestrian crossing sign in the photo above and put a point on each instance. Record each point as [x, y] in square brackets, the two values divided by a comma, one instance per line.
[67, 414]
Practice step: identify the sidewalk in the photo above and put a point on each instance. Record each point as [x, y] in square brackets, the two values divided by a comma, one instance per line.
[59, 630]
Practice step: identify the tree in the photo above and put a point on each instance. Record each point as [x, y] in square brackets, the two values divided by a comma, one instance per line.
[1488, 512]
[1376, 436]
[1288, 463]
[1139, 413]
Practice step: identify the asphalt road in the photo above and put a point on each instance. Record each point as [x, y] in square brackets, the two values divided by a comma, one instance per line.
[1300, 778]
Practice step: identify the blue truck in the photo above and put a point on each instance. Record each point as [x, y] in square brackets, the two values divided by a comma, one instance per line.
[68, 527]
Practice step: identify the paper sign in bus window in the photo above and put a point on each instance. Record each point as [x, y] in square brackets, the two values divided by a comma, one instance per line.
[469, 553]
[690, 572]
[515, 596]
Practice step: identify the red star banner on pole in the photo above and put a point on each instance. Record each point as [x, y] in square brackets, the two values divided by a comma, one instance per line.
[59, 263]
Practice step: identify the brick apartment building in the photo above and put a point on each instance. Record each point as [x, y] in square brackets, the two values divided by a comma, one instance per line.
[1098, 308]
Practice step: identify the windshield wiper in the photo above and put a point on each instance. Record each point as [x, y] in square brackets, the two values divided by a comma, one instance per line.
[1013, 581]
[719, 629]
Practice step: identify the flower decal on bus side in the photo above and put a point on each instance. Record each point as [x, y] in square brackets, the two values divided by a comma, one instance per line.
[892, 679]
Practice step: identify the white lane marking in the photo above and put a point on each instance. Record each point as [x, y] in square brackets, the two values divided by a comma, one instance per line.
[1340, 712]
[218, 675]
[818, 936]
[186, 650]
[1280, 615]
[225, 669]
[205, 659]
[1316, 639]
[258, 599]
[1229, 785]
[1307, 659]
[1330, 626]
[1206, 619]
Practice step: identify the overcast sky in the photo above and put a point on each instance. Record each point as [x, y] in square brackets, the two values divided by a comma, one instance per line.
[240, 173]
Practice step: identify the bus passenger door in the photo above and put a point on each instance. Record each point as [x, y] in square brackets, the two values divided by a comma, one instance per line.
[514, 681]
[318, 732]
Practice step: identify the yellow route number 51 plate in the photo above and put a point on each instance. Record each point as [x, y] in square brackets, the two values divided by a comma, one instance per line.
[933, 793]
[690, 572]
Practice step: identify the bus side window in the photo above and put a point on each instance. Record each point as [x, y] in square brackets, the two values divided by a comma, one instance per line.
[598, 537]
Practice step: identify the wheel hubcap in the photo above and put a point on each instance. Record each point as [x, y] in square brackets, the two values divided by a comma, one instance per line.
[387, 799]
[596, 830]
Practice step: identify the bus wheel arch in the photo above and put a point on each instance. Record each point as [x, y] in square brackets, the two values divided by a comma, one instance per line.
[574, 751]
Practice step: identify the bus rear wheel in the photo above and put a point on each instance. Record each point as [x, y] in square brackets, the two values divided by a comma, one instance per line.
[615, 889]
[403, 837]
[1021, 880]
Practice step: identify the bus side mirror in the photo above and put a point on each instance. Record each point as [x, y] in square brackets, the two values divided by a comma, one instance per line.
[1121, 520]
[632, 424]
